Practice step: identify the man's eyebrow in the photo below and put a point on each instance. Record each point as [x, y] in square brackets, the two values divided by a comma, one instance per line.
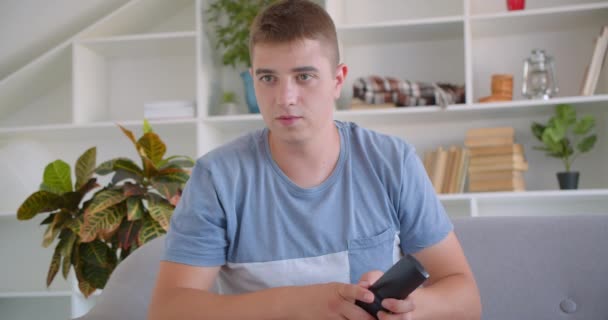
[305, 69]
[294, 70]
[264, 71]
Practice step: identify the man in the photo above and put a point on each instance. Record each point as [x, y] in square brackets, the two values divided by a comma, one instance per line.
[295, 221]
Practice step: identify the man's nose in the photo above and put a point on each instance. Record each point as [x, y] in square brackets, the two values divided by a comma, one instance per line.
[288, 93]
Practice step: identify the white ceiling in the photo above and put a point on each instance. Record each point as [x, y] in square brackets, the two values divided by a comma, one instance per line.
[29, 28]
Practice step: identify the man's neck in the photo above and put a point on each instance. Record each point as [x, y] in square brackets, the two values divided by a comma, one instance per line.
[310, 163]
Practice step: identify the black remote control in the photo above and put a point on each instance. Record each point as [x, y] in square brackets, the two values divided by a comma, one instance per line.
[398, 282]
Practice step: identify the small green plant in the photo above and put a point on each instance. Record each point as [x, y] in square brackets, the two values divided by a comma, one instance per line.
[231, 20]
[99, 227]
[229, 97]
[564, 136]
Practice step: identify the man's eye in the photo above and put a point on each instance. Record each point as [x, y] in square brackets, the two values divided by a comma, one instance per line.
[266, 78]
[304, 77]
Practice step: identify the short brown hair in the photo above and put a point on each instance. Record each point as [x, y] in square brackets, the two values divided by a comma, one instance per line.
[290, 20]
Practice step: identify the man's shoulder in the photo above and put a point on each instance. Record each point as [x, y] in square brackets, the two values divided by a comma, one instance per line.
[375, 142]
[245, 147]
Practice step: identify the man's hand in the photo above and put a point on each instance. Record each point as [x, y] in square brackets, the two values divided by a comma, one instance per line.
[400, 309]
[333, 301]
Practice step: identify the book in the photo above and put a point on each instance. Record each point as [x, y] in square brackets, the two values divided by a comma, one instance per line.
[477, 137]
[596, 62]
[514, 184]
[447, 168]
[449, 172]
[490, 132]
[497, 159]
[453, 182]
[517, 166]
[462, 170]
[173, 114]
[601, 59]
[511, 149]
[495, 175]
[439, 168]
[488, 141]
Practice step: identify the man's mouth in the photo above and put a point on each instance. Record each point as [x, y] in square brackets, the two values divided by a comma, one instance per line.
[288, 119]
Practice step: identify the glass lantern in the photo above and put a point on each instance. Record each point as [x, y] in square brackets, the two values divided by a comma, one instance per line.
[539, 76]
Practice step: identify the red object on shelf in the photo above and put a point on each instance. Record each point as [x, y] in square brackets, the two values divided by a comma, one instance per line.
[516, 4]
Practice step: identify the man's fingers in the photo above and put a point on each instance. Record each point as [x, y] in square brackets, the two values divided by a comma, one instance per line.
[394, 316]
[399, 306]
[352, 311]
[345, 306]
[371, 277]
[351, 293]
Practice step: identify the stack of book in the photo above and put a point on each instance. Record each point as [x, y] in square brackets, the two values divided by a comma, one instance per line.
[497, 163]
[169, 109]
[447, 168]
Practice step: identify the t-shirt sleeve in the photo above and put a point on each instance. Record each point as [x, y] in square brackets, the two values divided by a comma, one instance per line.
[197, 232]
[423, 219]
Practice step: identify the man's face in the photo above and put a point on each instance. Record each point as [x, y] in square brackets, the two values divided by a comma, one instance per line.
[296, 86]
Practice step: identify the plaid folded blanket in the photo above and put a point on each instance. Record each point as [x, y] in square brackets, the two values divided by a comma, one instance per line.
[380, 90]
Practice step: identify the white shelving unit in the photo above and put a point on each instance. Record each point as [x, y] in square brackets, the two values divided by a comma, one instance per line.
[72, 97]
[114, 77]
[587, 201]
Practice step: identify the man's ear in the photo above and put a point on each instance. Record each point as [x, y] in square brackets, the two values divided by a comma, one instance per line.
[340, 77]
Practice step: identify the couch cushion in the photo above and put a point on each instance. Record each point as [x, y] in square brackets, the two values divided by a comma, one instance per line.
[526, 268]
[538, 267]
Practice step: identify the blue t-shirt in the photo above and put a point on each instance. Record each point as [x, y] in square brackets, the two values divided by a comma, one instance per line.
[240, 211]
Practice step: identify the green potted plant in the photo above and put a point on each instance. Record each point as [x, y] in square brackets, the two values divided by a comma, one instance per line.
[229, 105]
[565, 137]
[98, 227]
[231, 20]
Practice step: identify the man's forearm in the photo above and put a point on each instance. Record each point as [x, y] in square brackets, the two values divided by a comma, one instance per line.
[185, 303]
[453, 297]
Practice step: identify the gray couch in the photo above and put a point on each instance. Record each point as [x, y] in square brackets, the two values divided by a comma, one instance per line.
[526, 268]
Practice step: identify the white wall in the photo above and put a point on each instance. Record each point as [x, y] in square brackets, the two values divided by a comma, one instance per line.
[32, 27]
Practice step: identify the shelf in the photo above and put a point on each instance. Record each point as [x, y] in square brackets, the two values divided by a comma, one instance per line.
[402, 30]
[563, 202]
[114, 77]
[486, 8]
[349, 12]
[144, 45]
[95, 293]
[557, 202]
[512, 109]
[70, 129]
[237, 118]
[540, 20]
[47, 81]
[35, 294]
[8, 214]
[529, 108]
[145, 16]
[542, 11]
[529, 195]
